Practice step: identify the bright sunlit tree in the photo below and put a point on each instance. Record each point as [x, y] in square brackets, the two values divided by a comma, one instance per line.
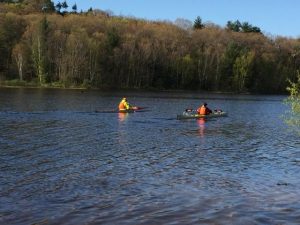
[293, 117]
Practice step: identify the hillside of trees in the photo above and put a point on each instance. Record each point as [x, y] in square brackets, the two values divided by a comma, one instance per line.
[54, 45]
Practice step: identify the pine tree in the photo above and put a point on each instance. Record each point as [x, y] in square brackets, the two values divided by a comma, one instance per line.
[198, 23]
[74, 8]
[58, 7]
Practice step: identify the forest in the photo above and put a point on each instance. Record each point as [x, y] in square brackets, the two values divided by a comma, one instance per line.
[48, 45]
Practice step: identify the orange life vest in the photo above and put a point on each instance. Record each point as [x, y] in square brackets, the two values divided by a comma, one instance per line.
[122, 106]
[203, 110]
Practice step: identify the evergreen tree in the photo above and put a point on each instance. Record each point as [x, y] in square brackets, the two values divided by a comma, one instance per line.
[245, 27]
[74, 8]
[58, 7]
[256, 29]
[248, 28]
[234, 26]
[65, 6]
[198, 23]
[113, 39]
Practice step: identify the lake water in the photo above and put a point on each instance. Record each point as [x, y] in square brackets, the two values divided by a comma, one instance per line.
[62, 163]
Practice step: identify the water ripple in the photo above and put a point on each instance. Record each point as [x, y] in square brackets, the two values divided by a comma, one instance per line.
[68, 165]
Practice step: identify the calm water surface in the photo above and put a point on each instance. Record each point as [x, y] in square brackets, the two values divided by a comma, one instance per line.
[62, 163]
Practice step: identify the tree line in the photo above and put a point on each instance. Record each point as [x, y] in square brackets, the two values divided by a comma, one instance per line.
[45, 45]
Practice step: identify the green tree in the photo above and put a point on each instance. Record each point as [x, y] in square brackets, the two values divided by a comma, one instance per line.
[113, 39]
[58, 7]
[228, 60]
[242, 69]
[74, 8]
[198, 23]
[244, 27]
[64, 5]
[234, 26]
[188, 79]
[248, 28]
[293, 117]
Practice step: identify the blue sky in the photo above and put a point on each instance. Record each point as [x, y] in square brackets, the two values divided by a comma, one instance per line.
[273, 17]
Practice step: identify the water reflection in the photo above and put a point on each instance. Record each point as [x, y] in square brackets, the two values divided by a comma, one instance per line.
[65, 165]
[201, 125]
[122, 117]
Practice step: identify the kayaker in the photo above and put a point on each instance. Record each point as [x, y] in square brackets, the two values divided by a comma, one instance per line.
[124, 105]
[204, 110]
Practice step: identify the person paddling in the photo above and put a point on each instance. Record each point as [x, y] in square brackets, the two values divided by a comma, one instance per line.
[204, 110]
[124, 105]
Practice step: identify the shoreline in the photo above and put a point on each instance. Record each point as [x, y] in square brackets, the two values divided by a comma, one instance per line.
[134, 90]
[41, 87]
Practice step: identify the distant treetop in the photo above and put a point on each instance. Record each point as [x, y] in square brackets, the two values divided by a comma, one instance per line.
[198, 23]
[244, 27]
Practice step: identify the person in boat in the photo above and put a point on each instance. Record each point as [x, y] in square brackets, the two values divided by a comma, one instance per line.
[124, 105]
[204, 110]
